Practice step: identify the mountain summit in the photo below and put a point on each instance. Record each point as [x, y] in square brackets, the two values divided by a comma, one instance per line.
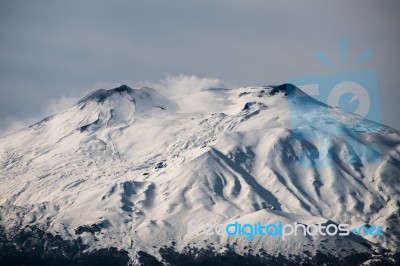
[101, 95]
[129, 168]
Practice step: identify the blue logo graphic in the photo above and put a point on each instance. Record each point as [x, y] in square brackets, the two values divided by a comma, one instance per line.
[347, 107]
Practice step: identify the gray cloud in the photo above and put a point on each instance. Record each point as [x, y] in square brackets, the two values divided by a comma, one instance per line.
[49, 50]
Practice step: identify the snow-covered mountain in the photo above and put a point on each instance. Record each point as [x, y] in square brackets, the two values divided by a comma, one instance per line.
[129, 168]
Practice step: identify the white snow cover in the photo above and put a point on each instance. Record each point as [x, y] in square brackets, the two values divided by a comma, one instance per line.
[143, 165]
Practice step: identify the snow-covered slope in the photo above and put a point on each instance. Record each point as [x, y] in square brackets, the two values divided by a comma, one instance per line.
[138, 167]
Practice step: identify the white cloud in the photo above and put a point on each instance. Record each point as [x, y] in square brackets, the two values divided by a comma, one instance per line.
[173, 86]
[58, 105]
[54, 106]
[13, 125]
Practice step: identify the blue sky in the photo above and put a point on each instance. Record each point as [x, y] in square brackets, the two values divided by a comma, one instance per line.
[52, 53]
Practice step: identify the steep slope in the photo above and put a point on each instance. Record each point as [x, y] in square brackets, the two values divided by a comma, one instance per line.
[130, 168]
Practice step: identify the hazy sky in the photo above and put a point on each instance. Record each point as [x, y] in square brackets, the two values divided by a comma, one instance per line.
[53, 52]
